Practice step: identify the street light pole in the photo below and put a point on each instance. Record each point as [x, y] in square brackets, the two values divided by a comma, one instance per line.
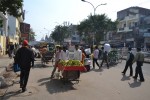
[48, 34]
[94, 13]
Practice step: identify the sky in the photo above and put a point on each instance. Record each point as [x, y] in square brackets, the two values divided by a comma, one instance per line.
[44, 15]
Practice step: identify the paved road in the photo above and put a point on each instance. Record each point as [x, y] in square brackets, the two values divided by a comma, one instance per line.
[104, 84]
[146, 67]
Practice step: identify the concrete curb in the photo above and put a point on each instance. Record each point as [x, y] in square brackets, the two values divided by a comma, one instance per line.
[4, 69]
[145, 61]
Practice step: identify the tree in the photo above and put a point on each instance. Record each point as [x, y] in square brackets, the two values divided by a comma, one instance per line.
[11, 6]
[31, 35]
[98, 25]
[60, 33]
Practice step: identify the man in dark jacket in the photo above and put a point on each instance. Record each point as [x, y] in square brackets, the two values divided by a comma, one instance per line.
[25, 59]
[130, 58]
[105, 58]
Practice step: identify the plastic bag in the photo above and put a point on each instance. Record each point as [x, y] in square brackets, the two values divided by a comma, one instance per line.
[16, 68]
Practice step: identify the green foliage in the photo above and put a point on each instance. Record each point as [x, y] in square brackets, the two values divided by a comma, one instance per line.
[11, 6]
[98, 24]
[60, 33]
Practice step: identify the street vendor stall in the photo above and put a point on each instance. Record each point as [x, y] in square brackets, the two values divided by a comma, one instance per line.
[70, 70]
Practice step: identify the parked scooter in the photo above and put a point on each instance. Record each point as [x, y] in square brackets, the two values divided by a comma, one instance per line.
[87, 63]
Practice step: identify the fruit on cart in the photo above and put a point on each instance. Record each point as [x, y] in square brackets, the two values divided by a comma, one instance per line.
[70, 63]
[62, 62]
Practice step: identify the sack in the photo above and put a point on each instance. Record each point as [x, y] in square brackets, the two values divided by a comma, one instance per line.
[88, 51]
[131, 57]
[16, 68]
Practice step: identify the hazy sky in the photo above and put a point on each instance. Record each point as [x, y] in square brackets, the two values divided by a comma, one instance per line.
[44, 15]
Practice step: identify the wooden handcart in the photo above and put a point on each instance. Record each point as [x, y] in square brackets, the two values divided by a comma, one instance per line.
[70, 73]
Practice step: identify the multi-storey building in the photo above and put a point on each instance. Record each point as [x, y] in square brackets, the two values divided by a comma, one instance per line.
[14, 32]
[3, 31]
[133, 27]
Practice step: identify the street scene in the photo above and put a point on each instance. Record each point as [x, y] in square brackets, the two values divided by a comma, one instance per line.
[105, 84]
[74, 50]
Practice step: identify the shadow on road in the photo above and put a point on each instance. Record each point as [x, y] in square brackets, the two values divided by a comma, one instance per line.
[97, 70]
[124, 77]
[56, 85]
[134, 84]
[41, 66]
[11, 94]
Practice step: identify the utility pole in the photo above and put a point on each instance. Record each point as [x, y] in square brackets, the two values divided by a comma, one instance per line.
[94, 8]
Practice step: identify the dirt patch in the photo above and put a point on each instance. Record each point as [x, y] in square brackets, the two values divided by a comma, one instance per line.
[9, 77]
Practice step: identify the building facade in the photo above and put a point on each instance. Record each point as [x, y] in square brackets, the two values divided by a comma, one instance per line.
[3, 32]
[14, 32]
[133, 27]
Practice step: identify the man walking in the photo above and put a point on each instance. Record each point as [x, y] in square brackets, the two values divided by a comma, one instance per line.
[95, 57]
[25, 59]
[77, 53]
[139, 59]
[57, 59]
[104, 58]
[130, 58]
[11, 50]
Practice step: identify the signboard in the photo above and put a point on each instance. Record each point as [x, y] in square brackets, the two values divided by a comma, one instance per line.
[24, 28]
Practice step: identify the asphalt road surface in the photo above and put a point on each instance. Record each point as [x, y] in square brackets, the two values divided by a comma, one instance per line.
[98, 84]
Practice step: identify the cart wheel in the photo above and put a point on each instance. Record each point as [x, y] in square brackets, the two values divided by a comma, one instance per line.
[77, 81]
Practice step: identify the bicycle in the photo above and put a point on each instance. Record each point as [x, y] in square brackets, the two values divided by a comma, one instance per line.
[114, 57]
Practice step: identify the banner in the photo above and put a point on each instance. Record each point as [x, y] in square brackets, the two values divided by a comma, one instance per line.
[24, 28]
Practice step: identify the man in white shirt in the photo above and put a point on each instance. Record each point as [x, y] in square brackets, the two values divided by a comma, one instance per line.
[57, 59]
[77, 53]
[95, 57]
[107, 47]
[64, 55]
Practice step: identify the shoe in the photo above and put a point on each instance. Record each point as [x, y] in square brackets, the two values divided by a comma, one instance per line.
[141, 80]
[24, 89]
[51, 77]
[123, 73]
[107, 67]
[134, 77]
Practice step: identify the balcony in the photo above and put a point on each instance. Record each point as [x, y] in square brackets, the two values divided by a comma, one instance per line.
[121, 29]
[131, 27]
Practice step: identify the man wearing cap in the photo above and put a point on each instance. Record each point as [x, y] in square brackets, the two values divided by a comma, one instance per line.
[25, 59]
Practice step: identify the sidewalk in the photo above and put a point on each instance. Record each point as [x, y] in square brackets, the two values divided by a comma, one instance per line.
[146, 60]
[4, 62]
